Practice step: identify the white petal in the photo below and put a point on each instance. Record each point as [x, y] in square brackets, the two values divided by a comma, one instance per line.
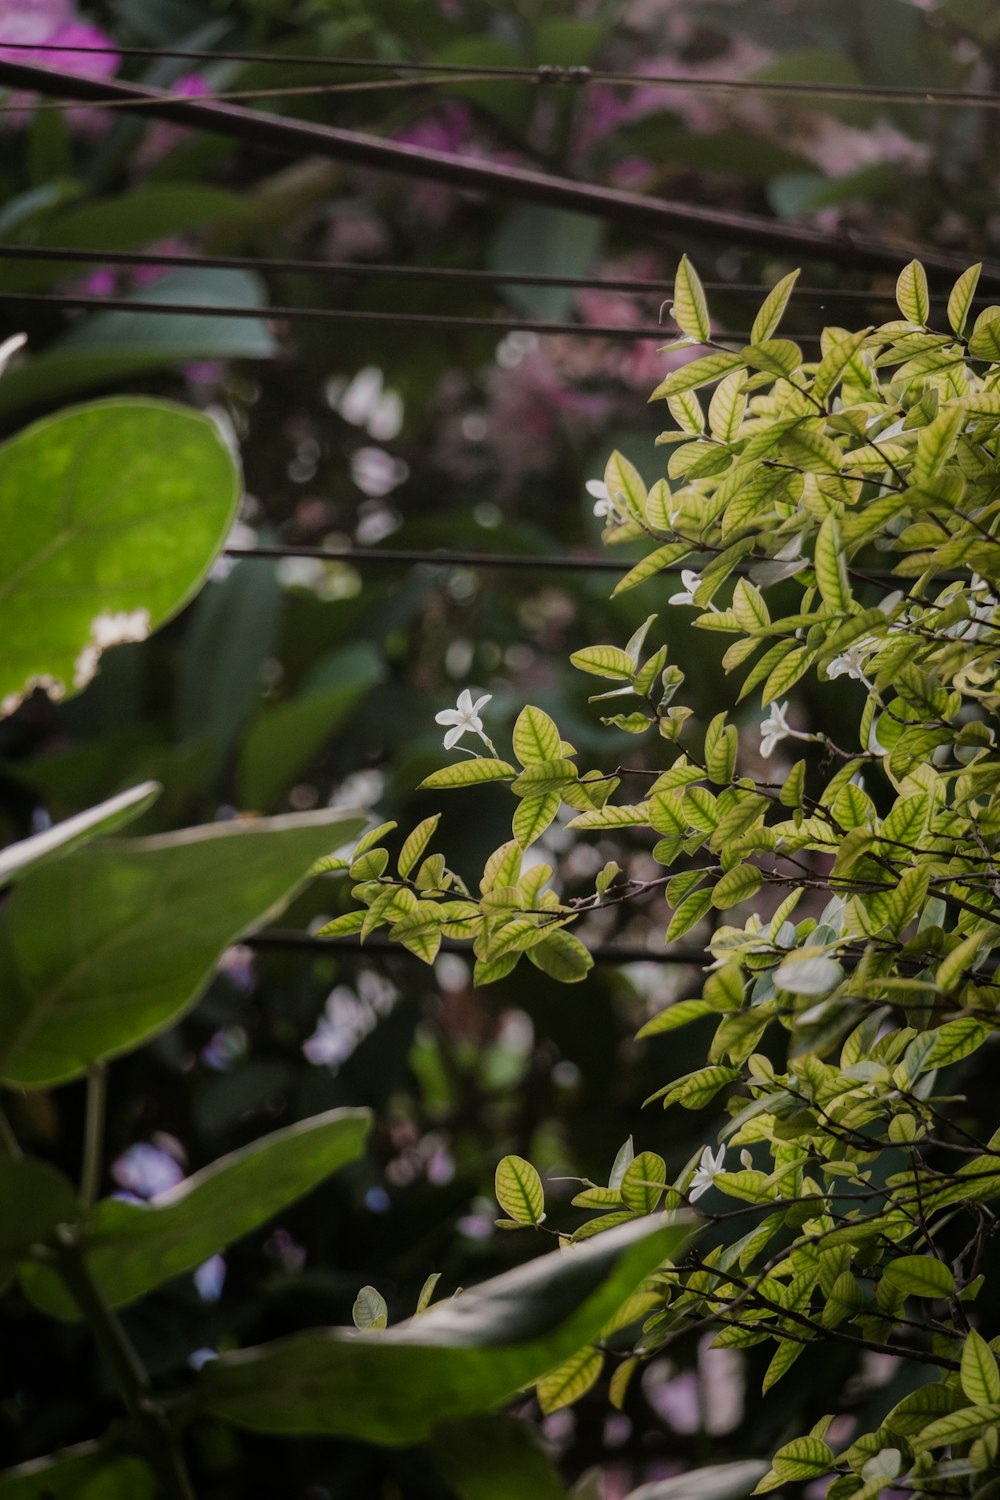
[448, 716]
[453, 736]
[481, 703]
[598, 489]
[465, 703]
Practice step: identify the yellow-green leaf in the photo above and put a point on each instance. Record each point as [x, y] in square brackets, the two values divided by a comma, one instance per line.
[912, 295]
[772, 308]
[690, 309]
[468, 773]
[562, 1386]
[519, 1190]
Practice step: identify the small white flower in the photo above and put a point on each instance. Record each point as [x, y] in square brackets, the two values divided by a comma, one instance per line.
[464, 718]
[604, 506]
[774, 729]
[852, 662]
[691, 581]
[707, 1170]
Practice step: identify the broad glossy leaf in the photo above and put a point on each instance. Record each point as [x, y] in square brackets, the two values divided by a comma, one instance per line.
[90, 954]
[461, 1358]
[106, 817]
[131, 1248]
[86, 1472]
[111, 515]
[495, 1458]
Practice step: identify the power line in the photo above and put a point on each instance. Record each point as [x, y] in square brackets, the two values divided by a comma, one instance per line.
[451, 559]
[356, 315]
[363, 270]
[623, 208]
[285, 940]
[548, 74]
[504, 560]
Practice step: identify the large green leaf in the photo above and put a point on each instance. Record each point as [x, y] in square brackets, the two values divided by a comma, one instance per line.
[111, 346]
[111, 515]
[460, 1359]
[110, 945]
[106, 817]
[86, 1472]
[130, 1248]
[496, 1458]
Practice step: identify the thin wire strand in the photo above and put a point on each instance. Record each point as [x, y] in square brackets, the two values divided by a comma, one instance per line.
[547, 74]
[515, 561]
[357, 315]
[387, 272]
[287, 940]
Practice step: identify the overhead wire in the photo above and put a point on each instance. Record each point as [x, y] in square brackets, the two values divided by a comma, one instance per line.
[420, 73]
[381, 271]
[456, 321]
[626, 209]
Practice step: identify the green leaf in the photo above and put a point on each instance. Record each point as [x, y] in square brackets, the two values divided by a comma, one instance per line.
[688, 913]
[831, 567]
[979, 1373]
[912, 294]
[960, 300]
[835, 362]
[605, 661]
[713, 1482]
[984, 341]
[690, 309]
[772, 308]
[130, 502]
[808, 976]
[653, 563]
[369, 1310]
[462, 1357]
[87, 1471]
[533, 816]
[921, 1276]
[802, 1458]
[519, 1190]
[125, 903]
[131, 1248]
[699, 372]
[562, 957]
[468, 773]
[680, 1013]
[495, 1458]
[415, 845]
[738, 884]
[52, 842]
[536, 738]
[643, 1182]
[957, 1427]
[570, 1380]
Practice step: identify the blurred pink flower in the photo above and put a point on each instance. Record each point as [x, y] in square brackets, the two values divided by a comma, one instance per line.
[162, 137]
[51, 23]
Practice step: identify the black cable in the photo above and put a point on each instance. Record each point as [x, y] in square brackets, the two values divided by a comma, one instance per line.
[547, 74]
[501, 560]
[364, 270]
[285, 940]
[634, 210]
[357, 315]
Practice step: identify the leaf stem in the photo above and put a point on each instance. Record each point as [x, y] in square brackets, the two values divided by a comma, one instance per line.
[158, 1437]
[93, 1139]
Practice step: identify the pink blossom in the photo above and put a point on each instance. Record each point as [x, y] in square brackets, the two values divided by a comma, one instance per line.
[49, 23]
[162, 137]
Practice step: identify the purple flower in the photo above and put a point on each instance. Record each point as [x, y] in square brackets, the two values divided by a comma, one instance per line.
[50, 23]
